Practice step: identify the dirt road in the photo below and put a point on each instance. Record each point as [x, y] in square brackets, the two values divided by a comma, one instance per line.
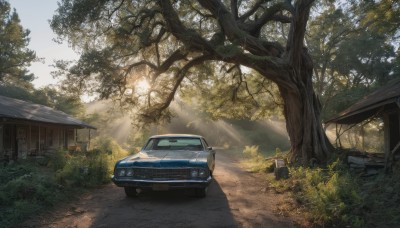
[235, 199]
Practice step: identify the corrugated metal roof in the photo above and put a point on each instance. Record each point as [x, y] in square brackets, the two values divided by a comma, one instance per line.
[23, 110]
[370, 105]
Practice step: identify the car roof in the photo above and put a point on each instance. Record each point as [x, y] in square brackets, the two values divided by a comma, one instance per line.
[176, 136]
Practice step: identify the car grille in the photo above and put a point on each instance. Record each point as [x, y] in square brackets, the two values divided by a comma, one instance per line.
[161, 174]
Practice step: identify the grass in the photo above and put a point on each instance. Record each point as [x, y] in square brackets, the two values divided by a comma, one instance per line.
[333, 196]
[28, 187]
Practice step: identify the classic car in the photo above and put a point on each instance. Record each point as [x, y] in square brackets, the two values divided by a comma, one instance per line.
[167, 162]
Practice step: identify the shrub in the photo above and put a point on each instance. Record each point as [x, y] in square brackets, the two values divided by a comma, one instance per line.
[92, 168]
[251, 151]
[256, 161]
[58, 160]
[24, 191]
[27, 187]
[70, 175]
[332, 196]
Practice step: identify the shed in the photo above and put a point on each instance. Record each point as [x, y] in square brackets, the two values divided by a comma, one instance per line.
[385, 103]
[29, 129]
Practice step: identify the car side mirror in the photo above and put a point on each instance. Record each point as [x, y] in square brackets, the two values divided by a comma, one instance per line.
[209, 148]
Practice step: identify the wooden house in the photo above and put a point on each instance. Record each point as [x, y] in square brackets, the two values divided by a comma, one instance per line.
[28, 129]
[384, 103]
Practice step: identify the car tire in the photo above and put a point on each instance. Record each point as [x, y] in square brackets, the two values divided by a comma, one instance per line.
[130, 191]
[201, 192]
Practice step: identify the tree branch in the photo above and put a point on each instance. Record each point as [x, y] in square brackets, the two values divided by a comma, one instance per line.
[268, 15]
[189, 37]
[297, 31]
[237, 35]
[256, 6]
[176, 55]
[234, 9]
[180, 75]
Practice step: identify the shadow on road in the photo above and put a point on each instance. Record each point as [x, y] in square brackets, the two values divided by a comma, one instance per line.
[166, 209]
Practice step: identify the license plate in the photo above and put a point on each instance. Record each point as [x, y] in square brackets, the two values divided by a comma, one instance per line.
[160, 187]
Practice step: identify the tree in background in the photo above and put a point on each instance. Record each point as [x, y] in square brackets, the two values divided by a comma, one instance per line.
[351, 56]
[15, 57]
[123, 42]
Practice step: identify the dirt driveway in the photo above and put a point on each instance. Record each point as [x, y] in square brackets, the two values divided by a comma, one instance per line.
[235, 199]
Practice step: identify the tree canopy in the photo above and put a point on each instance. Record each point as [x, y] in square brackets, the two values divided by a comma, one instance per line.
[352, 56]
[168, 42]
[223, 56]
[15, 56]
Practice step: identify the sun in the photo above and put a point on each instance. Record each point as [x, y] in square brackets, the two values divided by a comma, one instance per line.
[143, 86]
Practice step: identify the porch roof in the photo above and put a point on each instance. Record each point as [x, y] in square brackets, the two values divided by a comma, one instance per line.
[381, 100]
[23, 110]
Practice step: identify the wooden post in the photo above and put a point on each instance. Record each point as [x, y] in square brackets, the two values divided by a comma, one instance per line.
[386, 128]
[29, 139]
[362, 137]
[39, 147]
[281, 171]
[89, 141]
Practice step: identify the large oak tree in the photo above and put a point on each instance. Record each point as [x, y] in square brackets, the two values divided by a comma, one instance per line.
[167, 41]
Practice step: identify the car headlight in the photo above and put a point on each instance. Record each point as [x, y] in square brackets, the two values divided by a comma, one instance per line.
[121, 172]
[194, 173]
[129, 173]
[203, 173]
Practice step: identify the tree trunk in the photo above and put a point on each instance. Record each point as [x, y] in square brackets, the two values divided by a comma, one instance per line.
[309, 143]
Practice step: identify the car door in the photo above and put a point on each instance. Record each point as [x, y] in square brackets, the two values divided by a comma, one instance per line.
[211, 155]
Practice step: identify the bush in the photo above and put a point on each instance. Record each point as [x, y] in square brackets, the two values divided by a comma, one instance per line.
[25, 190]
[26, 187]
[92, 168]
[256, 161]
[85, 171]
[331, 196]
[251, 151]
[58, 160]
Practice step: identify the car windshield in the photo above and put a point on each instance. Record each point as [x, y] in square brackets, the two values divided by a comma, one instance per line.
[174, 144]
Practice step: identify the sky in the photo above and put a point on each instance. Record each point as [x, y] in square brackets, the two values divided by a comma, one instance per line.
[35, 16]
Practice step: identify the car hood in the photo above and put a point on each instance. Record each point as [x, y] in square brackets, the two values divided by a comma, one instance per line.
[166, 158]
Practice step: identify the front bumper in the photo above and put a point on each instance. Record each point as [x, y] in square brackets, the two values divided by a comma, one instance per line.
[166, 184]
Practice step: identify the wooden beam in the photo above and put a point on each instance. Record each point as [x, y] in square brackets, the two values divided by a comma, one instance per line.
[386, 128]
[39, 147]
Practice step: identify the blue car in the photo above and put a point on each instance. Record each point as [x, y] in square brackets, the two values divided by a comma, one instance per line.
[167, 162]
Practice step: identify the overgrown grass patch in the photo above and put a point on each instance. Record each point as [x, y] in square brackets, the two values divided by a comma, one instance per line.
[331, 195]
[328, 196]
[28, 187]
